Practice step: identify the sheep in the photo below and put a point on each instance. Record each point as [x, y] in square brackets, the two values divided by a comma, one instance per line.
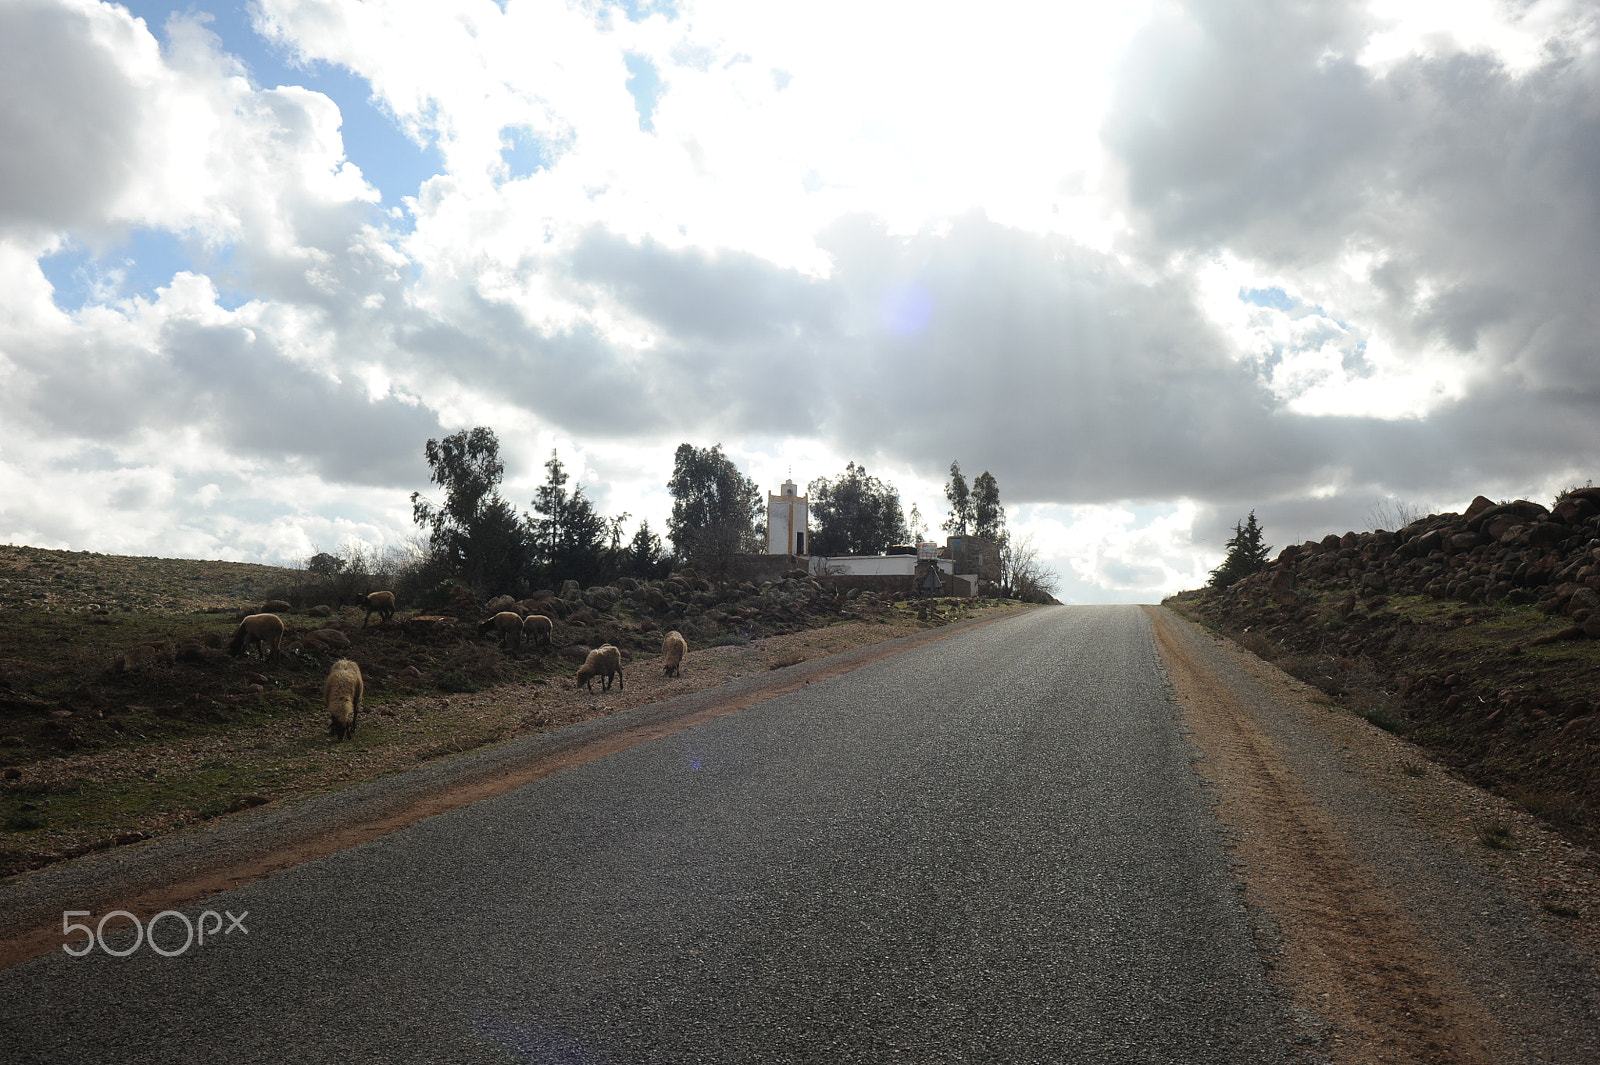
[537, 627]
[382, 603]
[263, 630]
[674, 647]
[602, 662]
[341, 693]
[508, 623]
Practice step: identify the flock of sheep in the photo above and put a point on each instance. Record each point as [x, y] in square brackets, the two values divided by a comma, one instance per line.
[342, 690]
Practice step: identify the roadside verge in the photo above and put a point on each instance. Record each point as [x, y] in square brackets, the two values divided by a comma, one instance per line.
[177, 870]
[1378, 909]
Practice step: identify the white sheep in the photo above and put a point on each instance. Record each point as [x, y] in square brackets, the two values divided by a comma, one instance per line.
[673, 648]
[602, 662]
[341, 693]
[537, 627]
[508, 623]
[262, 630]
[381, 603]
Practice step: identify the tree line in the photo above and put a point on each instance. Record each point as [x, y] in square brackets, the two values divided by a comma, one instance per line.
[471, 534]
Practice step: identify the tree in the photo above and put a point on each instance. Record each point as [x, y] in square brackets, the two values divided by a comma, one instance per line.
[854, 514]
[988, 516]
[1023, 573]
[646, 556]
[1246, 554]
[715, 509]
[480, 537]
[960, 497]
[569, 536]
[916, 525]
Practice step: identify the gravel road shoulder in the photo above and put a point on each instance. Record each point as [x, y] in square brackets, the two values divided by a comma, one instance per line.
[1380, 904]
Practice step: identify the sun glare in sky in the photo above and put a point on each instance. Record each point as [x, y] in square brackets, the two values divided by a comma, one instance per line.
[1152, 265]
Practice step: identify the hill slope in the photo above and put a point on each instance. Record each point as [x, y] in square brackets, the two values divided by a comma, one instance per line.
[1476, 635]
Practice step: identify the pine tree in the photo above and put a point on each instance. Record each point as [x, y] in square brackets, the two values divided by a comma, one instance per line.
[1246, 553]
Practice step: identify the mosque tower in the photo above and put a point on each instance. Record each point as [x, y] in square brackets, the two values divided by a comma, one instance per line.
[788, 522]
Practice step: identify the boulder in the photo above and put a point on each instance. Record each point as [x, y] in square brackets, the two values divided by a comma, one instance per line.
[332, 638]
[570, 591]
[1478, 505]
[499, 603]
[322, 610]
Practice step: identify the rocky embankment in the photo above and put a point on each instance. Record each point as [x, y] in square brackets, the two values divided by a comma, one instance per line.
[1476, 635]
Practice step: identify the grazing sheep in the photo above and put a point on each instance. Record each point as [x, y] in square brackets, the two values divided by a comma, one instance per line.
[262, 630]
[674, 647]
[508, 623]
[602, 662]
[537, 627]
[341, 693]
[382, 603]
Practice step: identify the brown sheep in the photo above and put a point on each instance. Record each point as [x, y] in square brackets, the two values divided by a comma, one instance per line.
[602, 662]
[341, 694]
[673, 648]
[508, 623]
[537, 627]
[382, 603]
[262, 630]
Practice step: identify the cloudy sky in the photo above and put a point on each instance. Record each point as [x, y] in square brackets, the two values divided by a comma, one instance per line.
[1153, 266]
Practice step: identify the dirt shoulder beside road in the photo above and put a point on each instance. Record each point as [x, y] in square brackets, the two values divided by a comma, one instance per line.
[1411, 916]
[184, 867]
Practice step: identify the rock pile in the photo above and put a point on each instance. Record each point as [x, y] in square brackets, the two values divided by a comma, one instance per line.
[1518, 552]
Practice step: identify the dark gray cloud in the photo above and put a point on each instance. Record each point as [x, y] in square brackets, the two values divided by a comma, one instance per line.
[237, 387]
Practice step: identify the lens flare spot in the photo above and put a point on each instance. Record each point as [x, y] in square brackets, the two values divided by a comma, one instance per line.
[907, 308]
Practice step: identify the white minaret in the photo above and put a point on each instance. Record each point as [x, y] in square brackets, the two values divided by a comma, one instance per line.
[788, 522]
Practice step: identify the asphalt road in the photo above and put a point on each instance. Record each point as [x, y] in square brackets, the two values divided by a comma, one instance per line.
[989, 848]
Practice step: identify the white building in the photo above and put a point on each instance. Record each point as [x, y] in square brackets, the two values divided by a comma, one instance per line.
[872, 565]
[788, 522]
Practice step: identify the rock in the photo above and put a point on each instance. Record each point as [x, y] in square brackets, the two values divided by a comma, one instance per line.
[570, 591]
[275, 606]
[1572, 632]
[320, 611]
[431, 626]
[1591, 626]
[1548, 534]
[410, 673]
[1478, 505]
[499, 603]
[331, 637]
[575, 652]
[143, 656]
[1574, 511]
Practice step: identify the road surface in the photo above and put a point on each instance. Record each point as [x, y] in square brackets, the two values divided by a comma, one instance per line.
[993, 847]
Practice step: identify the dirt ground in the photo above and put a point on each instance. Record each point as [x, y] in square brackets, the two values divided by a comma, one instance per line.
[1342, 938]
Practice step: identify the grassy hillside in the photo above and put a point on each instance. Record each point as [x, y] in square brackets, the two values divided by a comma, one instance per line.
[122, 715]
